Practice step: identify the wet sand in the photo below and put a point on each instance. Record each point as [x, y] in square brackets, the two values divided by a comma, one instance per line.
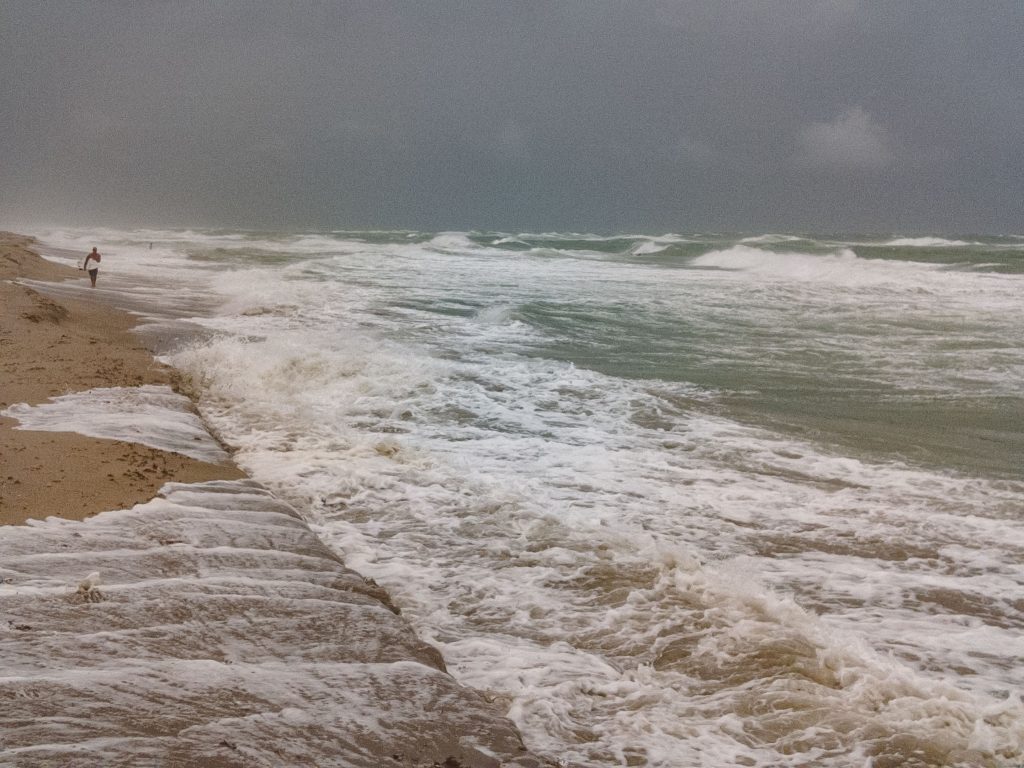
[49, 349]
[194, 622]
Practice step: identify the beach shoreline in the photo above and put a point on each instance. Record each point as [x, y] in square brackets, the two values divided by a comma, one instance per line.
[50, 348]
[155, 608]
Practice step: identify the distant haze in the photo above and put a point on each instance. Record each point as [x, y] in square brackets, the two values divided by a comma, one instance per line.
[572, 116]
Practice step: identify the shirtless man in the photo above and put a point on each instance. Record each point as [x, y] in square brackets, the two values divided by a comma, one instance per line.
[93, 269]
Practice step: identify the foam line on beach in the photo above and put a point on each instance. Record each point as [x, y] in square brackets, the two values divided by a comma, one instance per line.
[152, 415]
[207, 625]
[211, 624]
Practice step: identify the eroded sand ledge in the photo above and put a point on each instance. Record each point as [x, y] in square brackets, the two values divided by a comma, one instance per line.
[220, 630]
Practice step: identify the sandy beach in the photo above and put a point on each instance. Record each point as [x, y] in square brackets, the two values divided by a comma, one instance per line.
[49, 349]
[160, 610]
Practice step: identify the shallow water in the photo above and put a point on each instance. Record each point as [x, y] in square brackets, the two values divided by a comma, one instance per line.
[210, 626]
[680, 500]
[152, 415]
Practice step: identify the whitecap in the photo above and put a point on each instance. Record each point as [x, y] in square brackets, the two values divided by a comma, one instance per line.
[925, 242]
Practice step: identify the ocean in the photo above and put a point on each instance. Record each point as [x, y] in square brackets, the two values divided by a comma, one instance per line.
[677, 500]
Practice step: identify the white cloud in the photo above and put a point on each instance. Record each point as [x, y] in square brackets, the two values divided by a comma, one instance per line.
[853, 140]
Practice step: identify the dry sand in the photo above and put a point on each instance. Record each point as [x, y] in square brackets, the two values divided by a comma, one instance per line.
[49, 349]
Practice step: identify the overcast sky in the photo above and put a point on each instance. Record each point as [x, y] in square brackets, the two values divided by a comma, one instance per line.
[743, 115]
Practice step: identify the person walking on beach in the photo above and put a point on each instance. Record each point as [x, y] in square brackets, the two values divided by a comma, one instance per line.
[94, 269]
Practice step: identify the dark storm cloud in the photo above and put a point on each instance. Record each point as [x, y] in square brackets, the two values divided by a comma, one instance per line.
[766, 114]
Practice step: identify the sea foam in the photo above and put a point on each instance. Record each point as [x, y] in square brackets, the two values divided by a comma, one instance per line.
[699, 510]
[152, 415]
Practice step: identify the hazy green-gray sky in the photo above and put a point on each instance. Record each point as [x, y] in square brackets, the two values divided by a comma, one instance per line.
[641, 116]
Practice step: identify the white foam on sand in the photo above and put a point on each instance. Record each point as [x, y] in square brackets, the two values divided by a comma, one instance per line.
[152, 415]
[213, 627]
